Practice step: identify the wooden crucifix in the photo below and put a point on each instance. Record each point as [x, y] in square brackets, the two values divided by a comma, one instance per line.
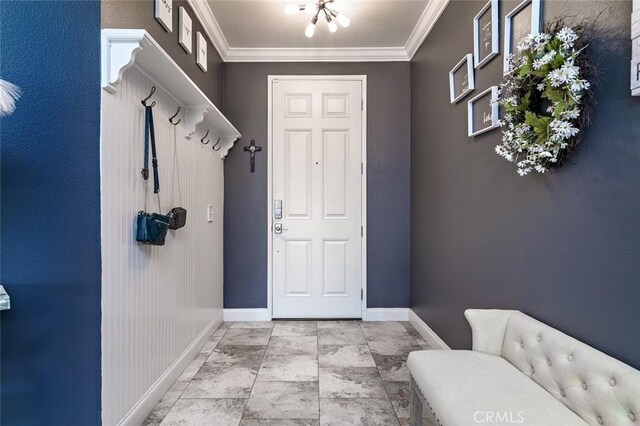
[252, 149]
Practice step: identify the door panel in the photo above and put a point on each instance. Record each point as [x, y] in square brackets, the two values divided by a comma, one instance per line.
[316, 172]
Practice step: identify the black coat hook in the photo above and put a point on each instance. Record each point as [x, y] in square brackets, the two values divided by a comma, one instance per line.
[144, 101]
[205, 135]
[216, 145]
[174, 116]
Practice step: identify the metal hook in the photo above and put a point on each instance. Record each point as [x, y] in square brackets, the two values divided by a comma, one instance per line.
[205, 135]
[174, 116]
[214, 146]
[144, 101]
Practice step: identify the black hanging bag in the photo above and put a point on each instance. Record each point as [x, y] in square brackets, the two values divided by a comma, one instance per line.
[152, 227]
[177, 215]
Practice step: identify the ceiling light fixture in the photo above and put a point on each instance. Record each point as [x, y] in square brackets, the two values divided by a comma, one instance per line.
[314, 9]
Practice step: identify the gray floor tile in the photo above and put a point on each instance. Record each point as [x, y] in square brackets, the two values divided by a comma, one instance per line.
[211, 344]
[400, 396]
[339, 324]
[289, 368]
[283, 400]
[200, 412]
[293, 345]
[279, 422]
[236, 356]
[230, 382]
[295, 328]
[193, 368]
[252, 324]
[246, 336]
[390, 345]
[357, 412]
[393, 368]
[351, 383]
[345, 356]
[383, 328]
[341, 336]
[163, 407]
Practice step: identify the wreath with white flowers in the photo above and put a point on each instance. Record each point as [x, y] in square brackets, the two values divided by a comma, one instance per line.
[547, 99]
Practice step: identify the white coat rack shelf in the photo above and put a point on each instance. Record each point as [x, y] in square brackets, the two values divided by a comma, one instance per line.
[125, 48]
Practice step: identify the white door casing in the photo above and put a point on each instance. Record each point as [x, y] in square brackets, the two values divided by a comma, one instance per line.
[316, 148]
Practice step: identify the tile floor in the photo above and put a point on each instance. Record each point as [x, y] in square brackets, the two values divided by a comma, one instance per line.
[296, 373]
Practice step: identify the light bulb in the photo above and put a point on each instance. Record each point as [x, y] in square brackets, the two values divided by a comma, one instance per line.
[310, 8]
[343, 20]
[290, 9]
[311, 28]
[333, 27]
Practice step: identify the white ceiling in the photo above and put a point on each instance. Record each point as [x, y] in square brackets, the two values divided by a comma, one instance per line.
[260, 31]
[260, 24]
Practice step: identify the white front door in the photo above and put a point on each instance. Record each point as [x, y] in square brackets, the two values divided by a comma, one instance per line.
[317, 177]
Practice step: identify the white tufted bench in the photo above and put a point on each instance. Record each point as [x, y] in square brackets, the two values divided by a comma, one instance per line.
[522, 371]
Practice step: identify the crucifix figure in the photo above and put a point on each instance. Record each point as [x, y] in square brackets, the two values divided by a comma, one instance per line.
[252, 148]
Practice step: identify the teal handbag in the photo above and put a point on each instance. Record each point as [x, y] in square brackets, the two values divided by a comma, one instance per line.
[152, 227]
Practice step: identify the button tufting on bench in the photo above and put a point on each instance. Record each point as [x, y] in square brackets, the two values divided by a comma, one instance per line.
[612, 381]
[539, 338]
[632, 416]
[570, 357]
[563, 393]
[584, 385]
[600, 420]
[548, 362]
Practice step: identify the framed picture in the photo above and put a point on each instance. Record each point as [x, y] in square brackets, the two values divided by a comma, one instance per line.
[164, 13]
[519, 23]
[201, 51]
[486, 34]
[482, 111]
[461, 81]
[185, 37]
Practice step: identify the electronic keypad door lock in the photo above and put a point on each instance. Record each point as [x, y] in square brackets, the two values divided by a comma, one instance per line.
[277, 228]
[277, 209]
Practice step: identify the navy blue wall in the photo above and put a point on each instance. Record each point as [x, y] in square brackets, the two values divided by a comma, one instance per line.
[50, 232]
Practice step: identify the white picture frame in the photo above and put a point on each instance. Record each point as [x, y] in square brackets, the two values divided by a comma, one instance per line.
[488, 102]
[201, 51]
[511, 25]
[164, 13]
[486, 34]
[185, 34]
[460, 84]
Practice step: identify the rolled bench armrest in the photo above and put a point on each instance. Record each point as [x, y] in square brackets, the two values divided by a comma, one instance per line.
[488, 327]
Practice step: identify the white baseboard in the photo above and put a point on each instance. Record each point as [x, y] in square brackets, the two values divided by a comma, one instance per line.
[247, 315]
[426, 332]
[143, 407]
[387, 314]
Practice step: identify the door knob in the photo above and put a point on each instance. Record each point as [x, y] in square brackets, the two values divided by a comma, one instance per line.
[278, 228]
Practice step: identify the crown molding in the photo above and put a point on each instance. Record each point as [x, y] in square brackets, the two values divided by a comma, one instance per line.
[208, 20]
[427, 20]
[424, 26]
[350, 54]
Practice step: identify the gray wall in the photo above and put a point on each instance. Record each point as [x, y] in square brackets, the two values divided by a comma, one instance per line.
[563, 247]
[140, 14]
[245, 245]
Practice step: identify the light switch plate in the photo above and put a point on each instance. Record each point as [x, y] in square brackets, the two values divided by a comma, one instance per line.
[210, 213]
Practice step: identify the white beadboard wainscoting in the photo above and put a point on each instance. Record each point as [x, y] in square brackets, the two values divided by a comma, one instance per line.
[159, 304]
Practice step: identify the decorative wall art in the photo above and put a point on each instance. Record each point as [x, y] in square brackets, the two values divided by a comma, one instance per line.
[486, 34]
[201, 51]
[461, 81]
[519, 23]
[185, 36]
[482, 111]
[164, 13]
